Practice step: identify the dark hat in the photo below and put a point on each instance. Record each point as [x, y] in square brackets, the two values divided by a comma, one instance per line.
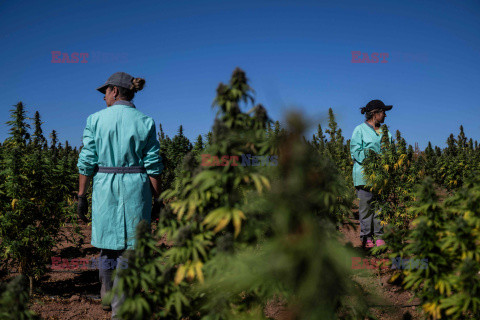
[377, 104]
[118, 79]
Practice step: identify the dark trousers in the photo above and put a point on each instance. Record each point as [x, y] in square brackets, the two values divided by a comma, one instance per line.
[110, 260]
[369, 221]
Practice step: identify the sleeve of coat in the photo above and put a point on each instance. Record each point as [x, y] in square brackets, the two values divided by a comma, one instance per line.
[356, 146]
[151, 153]
[88, 158]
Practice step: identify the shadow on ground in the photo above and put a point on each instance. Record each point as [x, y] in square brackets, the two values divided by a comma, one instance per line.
[84, 283]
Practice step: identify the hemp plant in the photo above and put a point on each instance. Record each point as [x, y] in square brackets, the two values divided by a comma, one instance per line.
[391, 177]
[335, 150]
[459, 161]
[446, 235]
[33, 196]
[300, 260]
[205, 211]
[14, 300]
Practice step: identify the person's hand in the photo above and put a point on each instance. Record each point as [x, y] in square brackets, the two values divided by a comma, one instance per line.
[82, 208]
[157, 206]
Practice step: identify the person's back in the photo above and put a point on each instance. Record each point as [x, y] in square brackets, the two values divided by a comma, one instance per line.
[115, 138]
[121, 153]
[121, 135]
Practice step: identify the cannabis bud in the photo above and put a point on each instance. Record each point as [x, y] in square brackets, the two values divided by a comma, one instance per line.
[221, 89]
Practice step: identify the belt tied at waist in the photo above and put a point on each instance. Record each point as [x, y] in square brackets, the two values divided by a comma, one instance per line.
[134, 169]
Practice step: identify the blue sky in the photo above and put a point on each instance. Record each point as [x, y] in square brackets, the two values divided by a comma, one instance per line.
[295, 53]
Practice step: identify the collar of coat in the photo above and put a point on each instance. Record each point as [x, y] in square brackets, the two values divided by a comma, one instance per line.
[368, 124]
[124, 102]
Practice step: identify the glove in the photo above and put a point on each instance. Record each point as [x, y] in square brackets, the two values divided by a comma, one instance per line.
[82, 208]
[157, 206]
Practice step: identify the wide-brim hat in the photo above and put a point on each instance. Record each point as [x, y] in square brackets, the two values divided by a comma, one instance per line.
[377, 104]
[119, 79]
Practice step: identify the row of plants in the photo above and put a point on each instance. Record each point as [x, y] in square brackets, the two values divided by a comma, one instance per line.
[277, 238]
[244, 235]
[420, 225]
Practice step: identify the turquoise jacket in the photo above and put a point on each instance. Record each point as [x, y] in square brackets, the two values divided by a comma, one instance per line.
[119, 136]
[364, 137]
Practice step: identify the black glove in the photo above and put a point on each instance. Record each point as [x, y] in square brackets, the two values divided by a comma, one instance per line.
[157, 206]
[82, 208]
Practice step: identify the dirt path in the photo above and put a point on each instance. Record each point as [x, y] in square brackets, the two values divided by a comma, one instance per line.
[72, 295]
[65, 294]
[391, 301]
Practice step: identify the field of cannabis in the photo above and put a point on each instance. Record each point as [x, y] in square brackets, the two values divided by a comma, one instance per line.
[250, 241]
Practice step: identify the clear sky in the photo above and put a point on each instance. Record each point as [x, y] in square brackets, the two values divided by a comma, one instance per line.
[295, 53]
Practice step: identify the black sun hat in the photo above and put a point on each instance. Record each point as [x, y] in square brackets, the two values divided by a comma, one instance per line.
[118, 79]
[377, 104]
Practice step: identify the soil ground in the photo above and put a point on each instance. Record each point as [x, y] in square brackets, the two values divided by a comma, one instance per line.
[387, 301]
[65, 294]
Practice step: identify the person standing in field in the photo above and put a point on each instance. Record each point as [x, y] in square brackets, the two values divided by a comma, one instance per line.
[121, 153]
[365, 136]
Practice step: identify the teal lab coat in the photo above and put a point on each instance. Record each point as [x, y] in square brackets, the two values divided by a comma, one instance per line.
[119, 136]
[364, 137]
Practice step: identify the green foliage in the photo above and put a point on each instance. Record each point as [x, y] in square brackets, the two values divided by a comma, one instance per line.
[431, 160]
[334, 147]
[319, 140]
[14, 300]
[447, 235]
[299, 259]
[38, 138]
[172, 152]
[199, 145]
[391, 177]
[142, 264]
[18, 127]
[206, 205]
[337, 152]
[220, 215]
[232, 238]
[458, 162]
[34, 199]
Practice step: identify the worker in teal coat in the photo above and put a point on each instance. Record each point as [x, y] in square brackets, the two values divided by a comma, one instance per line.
[121, 153]
[365, 136]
